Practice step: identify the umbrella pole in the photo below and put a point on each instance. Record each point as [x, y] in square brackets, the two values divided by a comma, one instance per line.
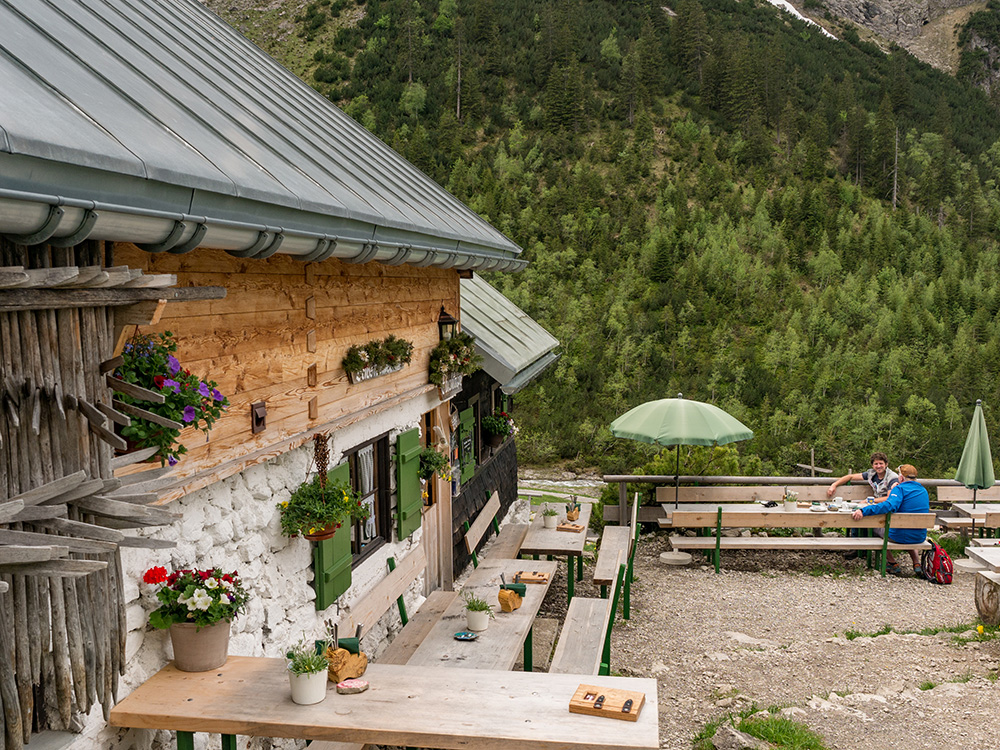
[973, 498]
[677, 475]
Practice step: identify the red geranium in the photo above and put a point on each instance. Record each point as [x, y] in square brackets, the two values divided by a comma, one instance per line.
[156, 574]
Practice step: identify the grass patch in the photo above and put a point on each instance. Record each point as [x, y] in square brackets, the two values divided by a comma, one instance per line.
[780, 731]
[826, 569]
[928, 685]
[954, 546]
[962, 678]
[852, 634]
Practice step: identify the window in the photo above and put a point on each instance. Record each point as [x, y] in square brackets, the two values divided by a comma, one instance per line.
[370, 472]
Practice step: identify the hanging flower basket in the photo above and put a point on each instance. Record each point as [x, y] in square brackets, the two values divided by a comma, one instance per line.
[371, 372]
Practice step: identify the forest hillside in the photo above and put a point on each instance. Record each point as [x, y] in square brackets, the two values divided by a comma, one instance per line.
[715, 200]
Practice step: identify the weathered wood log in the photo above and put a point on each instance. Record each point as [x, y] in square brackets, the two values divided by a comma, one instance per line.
[40, 513]
[12, 300]
[988, 597]
[103, 506]
[70, 568]
[135, 411]
[9, 510]
[85, 608]
[109, 365]
[114, 415]
[135, 457]
[22, 656]
[121, 629]
[60, 652]
[38, 625]
[154, 478]
[33, 539]
[82, 530]
[136, 498]
[74, 642]
[98, 599]
[135, 391]
[13, 722]
[24, 555]
[83, 489]
[142, 542]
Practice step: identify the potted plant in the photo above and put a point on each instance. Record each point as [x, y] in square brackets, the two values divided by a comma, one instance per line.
[433, 462]
[307, 673]
[377, 357]
[498, 426]
[478, 612]
[450, 360]
[189, 401]
[550, 516]
[197, 606]
[319, 507]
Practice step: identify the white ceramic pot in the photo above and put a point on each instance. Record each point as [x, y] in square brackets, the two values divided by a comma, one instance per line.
[550, 522]
[308, 688]
[477, 621]
[791, 505]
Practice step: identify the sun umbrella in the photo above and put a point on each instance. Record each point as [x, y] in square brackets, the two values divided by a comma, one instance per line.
[679, 421]
[975, 470]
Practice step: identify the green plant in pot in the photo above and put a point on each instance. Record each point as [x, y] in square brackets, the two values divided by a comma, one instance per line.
[550, 516]
[319, 507]
[478, 612]
[433, 462]
[454, 356]
[307, 673]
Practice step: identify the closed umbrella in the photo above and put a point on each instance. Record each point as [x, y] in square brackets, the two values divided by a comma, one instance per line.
[975, 470]
[679, 421]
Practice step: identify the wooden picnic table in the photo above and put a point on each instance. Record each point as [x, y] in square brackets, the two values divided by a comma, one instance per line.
[498, 646]
[977, 514]
[439, 707]
[754, 515]
[988, 556]
[555, 543]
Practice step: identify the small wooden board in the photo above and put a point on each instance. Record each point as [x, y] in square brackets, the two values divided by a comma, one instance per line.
[585, 698]
[524, 576]
[567, 526]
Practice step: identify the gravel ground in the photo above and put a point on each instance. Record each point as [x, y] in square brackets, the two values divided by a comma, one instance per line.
[768, 632]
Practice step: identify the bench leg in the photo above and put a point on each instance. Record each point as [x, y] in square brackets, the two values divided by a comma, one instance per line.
[604, 591]
[185, 740]
[570, 582]
[718, 541]
[528, 653]
[579, 568]
[229, 742]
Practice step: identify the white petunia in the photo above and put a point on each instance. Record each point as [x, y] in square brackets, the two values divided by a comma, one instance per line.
[211, 583]
[201, 600]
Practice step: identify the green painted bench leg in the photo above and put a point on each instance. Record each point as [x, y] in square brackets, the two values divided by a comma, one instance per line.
[604, 591]
[475, 559]
[229, 742]
[570, 579]
[185, 740]
[885, 545]
[718, 540]
[528, 661]
[579, 568]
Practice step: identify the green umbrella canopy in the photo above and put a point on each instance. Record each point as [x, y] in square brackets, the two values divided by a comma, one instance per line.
[679, 421]
[975, 470]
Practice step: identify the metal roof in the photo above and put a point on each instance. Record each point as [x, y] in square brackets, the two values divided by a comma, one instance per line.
[515, 349]
[177, 132]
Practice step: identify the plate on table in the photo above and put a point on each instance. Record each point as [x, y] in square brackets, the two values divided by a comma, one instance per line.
[466, 635]
[818, 508]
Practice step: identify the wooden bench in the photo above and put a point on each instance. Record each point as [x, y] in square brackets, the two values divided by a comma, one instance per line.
[952, 494]
[584, 645]
[761, 518]
[507, 544]
[377, 602]
[618, 543]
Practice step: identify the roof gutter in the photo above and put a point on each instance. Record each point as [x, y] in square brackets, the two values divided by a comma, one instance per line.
[32, 218]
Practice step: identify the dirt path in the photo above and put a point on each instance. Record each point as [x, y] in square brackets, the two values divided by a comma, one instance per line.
[767, 632]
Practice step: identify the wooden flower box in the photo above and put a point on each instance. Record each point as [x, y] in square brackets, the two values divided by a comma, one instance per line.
[451, 385]
[372, 372]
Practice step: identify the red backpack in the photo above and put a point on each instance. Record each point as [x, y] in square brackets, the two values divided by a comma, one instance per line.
[935, 564]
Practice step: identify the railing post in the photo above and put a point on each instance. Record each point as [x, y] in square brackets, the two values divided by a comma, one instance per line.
[622, 504]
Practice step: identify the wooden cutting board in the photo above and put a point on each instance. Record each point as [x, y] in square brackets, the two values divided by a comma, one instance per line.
[585, 701]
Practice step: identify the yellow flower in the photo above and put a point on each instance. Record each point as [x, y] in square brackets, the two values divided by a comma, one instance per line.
[284, 504]
[980, 629]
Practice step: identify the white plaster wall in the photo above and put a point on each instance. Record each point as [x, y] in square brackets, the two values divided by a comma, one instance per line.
[233, 524]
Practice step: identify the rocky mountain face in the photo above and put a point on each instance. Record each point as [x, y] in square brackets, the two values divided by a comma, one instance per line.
[896, 20]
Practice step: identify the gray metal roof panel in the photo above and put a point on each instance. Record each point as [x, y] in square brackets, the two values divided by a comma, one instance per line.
[508, 338]
[166, 85]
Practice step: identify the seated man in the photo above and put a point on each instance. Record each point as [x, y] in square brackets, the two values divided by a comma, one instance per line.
[906, 497]
[881, 479]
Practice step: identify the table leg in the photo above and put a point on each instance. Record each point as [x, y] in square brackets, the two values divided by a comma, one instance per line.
[229, 742]
[569, 579]
[604, 591]
[528, 653]
[185, 740]
[579, 568]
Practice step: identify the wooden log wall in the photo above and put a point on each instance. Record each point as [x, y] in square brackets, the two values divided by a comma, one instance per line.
[279, 337]
[62, 612]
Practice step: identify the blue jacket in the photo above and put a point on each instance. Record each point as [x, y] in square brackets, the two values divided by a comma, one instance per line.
[906, 497]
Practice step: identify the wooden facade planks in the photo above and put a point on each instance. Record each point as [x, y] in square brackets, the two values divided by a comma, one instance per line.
[256, 344]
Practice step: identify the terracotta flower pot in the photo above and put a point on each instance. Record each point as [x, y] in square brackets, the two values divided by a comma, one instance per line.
[199, 650]
[323, 534]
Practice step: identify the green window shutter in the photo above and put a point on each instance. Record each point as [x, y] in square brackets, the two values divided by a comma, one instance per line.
[408, 500]
[467, 450]
[332, 558]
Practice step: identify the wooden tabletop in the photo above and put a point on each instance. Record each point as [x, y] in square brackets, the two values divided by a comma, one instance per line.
[500, 644]
[542, 541]
[979, 512]
[414, 706]
[988, 556]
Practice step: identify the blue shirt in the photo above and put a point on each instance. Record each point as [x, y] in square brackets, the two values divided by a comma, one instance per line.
[905, 497]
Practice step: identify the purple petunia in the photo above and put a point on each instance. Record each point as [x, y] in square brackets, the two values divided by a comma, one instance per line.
[189, 414]
[172, 384]
[216, 395]
[172, 364]
[204, 390]
[171, 459]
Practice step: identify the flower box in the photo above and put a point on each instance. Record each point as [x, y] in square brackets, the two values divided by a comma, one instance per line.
[372, 371]
[451, 385]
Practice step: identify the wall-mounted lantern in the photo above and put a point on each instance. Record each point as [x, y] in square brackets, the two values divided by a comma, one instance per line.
[447, 326]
